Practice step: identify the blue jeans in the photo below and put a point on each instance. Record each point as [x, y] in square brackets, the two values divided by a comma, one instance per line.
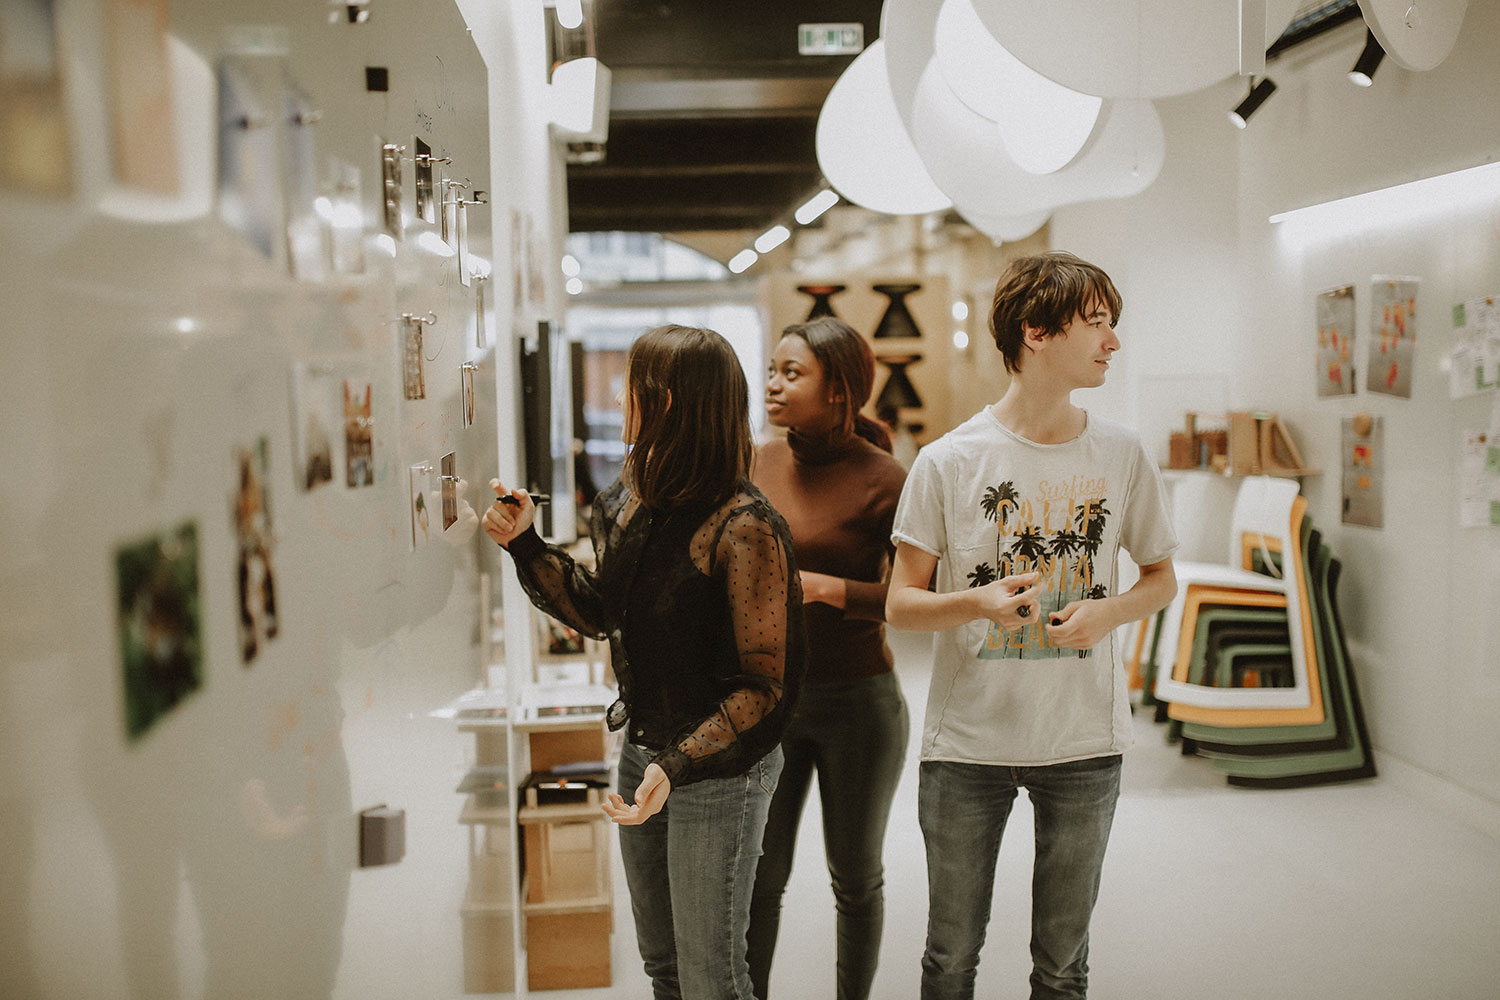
[853, 735]
[690, 869]
[962, 809]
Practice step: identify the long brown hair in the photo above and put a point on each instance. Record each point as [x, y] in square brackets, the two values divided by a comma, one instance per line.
[1046, 291]
[693, 403]
[849, 371]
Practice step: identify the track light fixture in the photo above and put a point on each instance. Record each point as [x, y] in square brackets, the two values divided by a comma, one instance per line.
[1363, 73]
[1257, 96]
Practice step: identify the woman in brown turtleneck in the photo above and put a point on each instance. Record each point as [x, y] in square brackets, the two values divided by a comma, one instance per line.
[834, 481]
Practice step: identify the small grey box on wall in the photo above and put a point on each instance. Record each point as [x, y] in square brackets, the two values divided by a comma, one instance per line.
[382, 836]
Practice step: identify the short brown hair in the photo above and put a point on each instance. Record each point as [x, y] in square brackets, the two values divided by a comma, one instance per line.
[689, 391]
[1045, 291]
[849, 370]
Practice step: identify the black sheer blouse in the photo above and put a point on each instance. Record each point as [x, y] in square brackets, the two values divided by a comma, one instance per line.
[703, 612]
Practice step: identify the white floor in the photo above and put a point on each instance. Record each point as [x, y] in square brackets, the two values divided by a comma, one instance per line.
[1342, 891]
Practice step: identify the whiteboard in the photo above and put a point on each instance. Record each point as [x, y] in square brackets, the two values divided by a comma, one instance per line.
[189, 829]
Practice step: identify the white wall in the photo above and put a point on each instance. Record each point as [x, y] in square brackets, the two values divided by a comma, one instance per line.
[1219, 314]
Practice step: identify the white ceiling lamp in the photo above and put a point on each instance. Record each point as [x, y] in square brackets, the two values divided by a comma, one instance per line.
[741, 261]
[579, 100]
[971, 164]
[1043, 125]
[863, 147]
[1137, 48]
[1416, 34]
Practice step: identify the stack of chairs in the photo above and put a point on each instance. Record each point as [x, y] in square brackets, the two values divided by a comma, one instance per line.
[1248, 664]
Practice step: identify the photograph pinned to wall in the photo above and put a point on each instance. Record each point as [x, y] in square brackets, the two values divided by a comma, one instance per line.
[517, 261]
[466, 384]
[413, 380]
[464, 260]
[249, 191]
[1474, 361]
[1393, 335]
[1363, 463]
[255, 539]
[307, 233]
[426, 192]
[35, 150]
[481, 335]
[421, 506]
[359, 433]
[1479, 479]
[450, 489]
[143, 135]
[317, 413]
[158, 623]
[1335, 352]
[344, 218]
[390, 187]
[536, 268]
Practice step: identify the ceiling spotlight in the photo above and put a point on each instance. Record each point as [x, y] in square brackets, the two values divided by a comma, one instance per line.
[742, 260]
[1257, 96]
[1363, 73]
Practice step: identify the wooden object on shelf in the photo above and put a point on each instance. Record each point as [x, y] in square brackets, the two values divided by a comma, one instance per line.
[568, 951]
[567, 853]
[1278, 454]
[1244, 445]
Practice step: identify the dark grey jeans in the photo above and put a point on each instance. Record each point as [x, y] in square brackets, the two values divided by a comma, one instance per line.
[854, 736]
[962, 809]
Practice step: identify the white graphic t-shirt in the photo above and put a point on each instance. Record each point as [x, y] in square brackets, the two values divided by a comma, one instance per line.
[990, 504]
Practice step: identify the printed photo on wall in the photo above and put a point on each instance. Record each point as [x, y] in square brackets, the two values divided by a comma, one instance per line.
[1393, 335]
[307, 232]
[316, 416]
[35, 151]
[450, 490]
[426, 199]
[412, 379]
[249, 187]
[517, 261]
[344, 219]
[254, 539]
[143, 133]
[467, 381]
[1363, 464]
[157, 620]
[390, 188]
[359, 434]
[1474, 360]
[1335, 354]
[421, 508]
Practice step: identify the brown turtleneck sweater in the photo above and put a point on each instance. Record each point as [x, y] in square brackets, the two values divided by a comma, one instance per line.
[839, 498]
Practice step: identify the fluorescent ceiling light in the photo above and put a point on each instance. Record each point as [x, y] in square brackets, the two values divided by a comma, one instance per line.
[816, 206]
[1429, 196]
[772, 238]
[742, 260]
[574, 286]
[570, 266]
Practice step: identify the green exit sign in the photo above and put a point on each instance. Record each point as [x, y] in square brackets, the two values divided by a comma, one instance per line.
[830, 39]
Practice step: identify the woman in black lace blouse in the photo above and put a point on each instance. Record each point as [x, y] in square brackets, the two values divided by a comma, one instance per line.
[696, 589]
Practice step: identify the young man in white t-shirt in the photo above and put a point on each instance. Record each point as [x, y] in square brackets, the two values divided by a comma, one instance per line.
[1020, 511]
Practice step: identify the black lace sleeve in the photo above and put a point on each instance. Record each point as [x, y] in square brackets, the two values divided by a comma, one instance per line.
[752, 557]
[558, 585]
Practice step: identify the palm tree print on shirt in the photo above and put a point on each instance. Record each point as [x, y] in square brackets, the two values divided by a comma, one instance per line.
[1064, 557]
